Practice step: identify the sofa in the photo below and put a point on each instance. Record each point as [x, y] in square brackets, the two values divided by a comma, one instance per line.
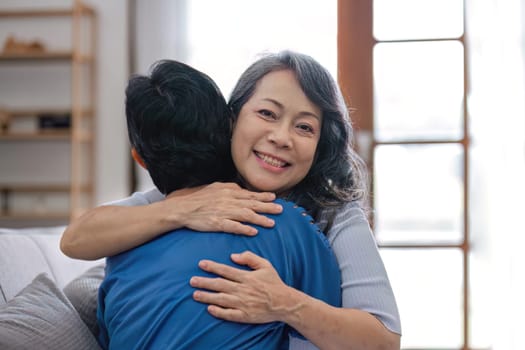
[47, 300]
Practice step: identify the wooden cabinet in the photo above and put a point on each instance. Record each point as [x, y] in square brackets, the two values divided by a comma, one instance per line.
[47, 112]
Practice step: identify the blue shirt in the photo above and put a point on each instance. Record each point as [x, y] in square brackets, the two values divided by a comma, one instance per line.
[145, 301]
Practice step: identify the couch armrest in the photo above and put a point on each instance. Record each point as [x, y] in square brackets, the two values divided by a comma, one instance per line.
[24, 253]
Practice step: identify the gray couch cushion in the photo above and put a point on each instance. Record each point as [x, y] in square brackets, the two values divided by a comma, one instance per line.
[82, 292]
[41, 317]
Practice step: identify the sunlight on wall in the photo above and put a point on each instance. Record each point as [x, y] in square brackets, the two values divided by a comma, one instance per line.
[224, 45]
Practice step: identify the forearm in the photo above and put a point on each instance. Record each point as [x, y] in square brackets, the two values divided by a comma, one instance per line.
[330, 327]
[109, 230]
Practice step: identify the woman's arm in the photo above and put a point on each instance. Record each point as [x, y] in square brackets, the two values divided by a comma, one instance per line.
[365, 280]
[112, 229]
[260, 296]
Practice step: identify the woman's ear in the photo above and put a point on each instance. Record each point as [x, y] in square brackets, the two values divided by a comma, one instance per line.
[138, 158]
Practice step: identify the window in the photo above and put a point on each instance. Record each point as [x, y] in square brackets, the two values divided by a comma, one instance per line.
[437, 87]
[412, 130]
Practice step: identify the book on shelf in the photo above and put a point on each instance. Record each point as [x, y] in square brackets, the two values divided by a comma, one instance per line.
[28, 122]
[54, 121]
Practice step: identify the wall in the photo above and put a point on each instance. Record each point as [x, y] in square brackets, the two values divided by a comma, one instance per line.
[113, 71]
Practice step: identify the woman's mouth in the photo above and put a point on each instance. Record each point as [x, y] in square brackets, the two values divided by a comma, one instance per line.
[275, 162]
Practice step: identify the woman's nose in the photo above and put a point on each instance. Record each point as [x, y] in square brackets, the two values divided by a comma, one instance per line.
[280, 136]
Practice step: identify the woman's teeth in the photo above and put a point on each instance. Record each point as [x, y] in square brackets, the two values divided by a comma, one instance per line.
[272, 161]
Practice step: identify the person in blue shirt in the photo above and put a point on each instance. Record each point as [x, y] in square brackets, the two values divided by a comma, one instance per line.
[180, 127]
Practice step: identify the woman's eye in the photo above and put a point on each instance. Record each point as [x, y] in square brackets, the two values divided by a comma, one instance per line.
[266, 114]
[305, 128]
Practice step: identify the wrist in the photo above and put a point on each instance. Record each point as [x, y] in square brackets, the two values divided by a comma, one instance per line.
[168, 215]
[294, 303]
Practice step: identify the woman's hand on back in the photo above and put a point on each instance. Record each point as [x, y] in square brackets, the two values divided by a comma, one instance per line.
[237, 295]
[226, 207]
[260, 296]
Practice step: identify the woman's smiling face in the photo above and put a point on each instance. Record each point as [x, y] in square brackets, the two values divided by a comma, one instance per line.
[276, 134]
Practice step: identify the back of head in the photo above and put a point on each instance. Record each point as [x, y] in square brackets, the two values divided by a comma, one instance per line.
[337, 174]
[179, 123]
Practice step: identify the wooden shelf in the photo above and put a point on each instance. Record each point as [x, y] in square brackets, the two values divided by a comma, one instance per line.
[23, 13]
[42, 136]
[24, 112]
[30, 56]
[33, 188]
[47, 136]
[83, 58]
[45, 56]
[74, 126]
[84, 137]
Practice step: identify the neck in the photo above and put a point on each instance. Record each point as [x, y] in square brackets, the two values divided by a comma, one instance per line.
[245, 184]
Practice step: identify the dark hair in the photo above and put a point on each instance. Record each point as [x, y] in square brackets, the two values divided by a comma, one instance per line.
[180, 124]
[338, 174]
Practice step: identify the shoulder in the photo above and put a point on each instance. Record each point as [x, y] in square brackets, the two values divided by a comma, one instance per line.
[350, 218]
[292, 211]
[294, 220]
